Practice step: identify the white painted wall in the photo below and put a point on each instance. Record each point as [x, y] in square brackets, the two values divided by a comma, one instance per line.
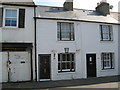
[0, 67]
[91, 44]
[20, 34]
[0, 55]
[119, 48]
[87, 39]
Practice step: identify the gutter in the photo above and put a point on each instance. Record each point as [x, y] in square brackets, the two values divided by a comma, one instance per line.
[35, 44]
[76, 20]
[12, 4]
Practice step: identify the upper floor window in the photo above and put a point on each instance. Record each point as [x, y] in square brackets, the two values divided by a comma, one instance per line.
[65, 31]
[107, 60]
[10, 18]
[106, 32]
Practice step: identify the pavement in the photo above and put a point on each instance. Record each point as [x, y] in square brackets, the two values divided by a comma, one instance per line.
[75, 83]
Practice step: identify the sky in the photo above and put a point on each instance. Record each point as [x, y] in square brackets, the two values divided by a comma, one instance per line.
[81, 4]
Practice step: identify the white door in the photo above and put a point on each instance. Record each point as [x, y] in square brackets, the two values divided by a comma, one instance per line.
[20, 67]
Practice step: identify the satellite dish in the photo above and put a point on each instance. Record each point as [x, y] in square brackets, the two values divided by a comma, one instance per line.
[111, 7]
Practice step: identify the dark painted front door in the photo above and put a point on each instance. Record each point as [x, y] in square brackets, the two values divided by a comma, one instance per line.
[91, 65]
[44, 65]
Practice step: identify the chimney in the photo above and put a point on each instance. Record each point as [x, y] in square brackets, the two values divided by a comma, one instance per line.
[68, 5]
[103, 8]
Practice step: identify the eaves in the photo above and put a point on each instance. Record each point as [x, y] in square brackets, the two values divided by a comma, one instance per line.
[47, 18]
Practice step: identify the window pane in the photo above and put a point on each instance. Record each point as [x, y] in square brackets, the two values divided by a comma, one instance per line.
[68, 65]
[58, 66]
[72, 57]
[112, 58]
[14, 13]
[63, 57]
[106, 36]
[68, 57]
[8, 13]
[63, 65]
[58, 35]
[58, 26]
[72, 65]
[72, 36]
[7, 22]
[65, 26]
[105, 29]
[13, 22]
[58, 57]
[10, 22]
[11, 13]
[65, 36]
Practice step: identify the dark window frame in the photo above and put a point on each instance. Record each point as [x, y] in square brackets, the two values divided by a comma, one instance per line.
[111, 58]
[62, 60]
[59, 37]
[110, 33]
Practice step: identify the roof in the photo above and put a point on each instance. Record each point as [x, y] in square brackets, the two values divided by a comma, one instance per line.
[116, 15]
[76, 14]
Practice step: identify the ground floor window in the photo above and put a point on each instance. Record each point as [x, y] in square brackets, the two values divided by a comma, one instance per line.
[66, 62]
[107, 60]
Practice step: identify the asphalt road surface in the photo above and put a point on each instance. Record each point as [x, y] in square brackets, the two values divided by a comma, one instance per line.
[103, 85]
[106, 86]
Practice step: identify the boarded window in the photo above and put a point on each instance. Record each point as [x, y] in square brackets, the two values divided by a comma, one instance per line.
[21, 18]
[1, 16]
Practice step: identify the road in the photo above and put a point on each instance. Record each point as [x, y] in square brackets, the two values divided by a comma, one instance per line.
[102, 85]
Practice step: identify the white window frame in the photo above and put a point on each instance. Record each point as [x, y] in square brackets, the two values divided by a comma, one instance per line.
[71, 61]
[107, 60]
[60, 31]
[109, 34]
[5, 17]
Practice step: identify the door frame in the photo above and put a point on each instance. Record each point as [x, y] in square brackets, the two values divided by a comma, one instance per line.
[95, 63]
[39, 67]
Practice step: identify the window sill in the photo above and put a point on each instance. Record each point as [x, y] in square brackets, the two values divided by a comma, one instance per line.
[62, 73]
[66, 41]
[109, 69]
[106, 40]
[9, 28]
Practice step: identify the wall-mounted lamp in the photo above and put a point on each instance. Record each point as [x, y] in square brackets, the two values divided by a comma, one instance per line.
[66, 50]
